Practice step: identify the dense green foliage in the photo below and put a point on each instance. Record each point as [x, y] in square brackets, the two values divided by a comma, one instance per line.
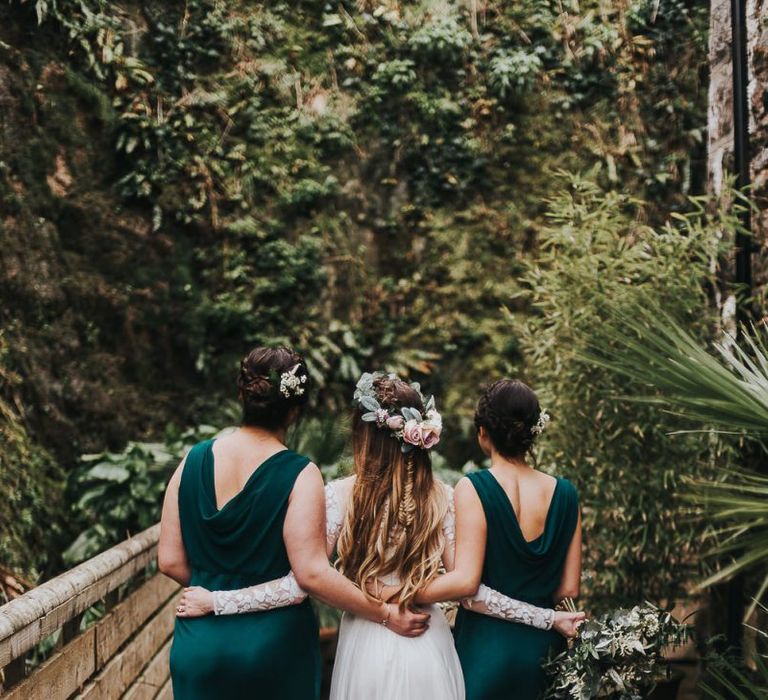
[726, 391]
[116, 495]
[31, 482]
[363, 180]
[596, 259]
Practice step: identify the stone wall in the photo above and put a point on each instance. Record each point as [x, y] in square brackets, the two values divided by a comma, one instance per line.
[720, 112]
[757, 24]
[720, 116]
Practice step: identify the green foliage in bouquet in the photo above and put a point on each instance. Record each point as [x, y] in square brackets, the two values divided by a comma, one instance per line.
[617, 655]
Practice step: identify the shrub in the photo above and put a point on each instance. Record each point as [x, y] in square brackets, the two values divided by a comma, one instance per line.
[32, 485]
[639, 543]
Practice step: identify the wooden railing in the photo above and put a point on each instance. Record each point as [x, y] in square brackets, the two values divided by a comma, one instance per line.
[123, 654]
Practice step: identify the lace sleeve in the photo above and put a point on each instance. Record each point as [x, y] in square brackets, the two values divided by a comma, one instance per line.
[278, 593]
[449, 530]
[449, 521]
[494, 604]
[334, 517]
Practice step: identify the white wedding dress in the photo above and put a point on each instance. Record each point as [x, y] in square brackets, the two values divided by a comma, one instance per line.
[372, 662]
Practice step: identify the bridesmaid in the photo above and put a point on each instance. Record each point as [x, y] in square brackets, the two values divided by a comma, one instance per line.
[244, 509]
[528, 526]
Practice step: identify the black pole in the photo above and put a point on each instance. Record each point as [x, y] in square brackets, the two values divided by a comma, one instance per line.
[741, 149]
[735, 591]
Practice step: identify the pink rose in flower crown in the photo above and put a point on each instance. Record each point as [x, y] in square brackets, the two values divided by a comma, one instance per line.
[395, 422]
[430, 435]
[412, 433]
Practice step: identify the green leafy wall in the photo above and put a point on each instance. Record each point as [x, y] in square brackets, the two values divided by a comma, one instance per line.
[365, 180]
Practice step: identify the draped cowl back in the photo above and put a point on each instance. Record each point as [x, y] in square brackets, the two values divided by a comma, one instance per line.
[240, 544]
[500, 659]
[529, 571]
[271, 654]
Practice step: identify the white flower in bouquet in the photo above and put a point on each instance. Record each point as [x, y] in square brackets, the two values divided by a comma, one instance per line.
[617, 655]
[650, 625]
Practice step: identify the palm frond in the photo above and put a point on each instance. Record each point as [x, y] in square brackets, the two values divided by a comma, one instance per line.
[738, 509]
[734, 681]
[727, 391]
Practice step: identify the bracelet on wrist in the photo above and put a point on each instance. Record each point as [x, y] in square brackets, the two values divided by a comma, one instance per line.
[385, 621]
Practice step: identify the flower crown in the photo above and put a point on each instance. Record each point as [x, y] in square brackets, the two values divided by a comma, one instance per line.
[291, 383]
[407, 424]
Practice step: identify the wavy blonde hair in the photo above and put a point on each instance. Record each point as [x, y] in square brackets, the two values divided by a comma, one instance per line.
[394, 524]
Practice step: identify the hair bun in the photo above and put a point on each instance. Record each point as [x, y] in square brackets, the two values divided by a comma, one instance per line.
[509, 410]
[259, 384]
[253, 387]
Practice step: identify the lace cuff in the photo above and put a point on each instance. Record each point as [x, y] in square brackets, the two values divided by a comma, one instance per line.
[495, 604]
[277, 593]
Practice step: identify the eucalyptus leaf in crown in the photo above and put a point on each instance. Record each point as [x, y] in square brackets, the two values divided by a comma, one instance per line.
[406, 424]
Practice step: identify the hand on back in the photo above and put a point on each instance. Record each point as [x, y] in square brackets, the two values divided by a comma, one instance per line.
[195, 601]
[407, 623]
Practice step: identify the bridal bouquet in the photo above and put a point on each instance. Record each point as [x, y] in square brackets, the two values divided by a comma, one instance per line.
[617, 655]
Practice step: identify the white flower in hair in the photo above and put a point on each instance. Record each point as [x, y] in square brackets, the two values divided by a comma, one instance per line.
[291, 383]
[541, 423]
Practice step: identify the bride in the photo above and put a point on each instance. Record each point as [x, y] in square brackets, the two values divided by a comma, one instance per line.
[393, 526]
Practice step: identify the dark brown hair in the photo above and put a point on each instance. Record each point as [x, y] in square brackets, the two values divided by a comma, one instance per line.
[259, 386]
[508, 410]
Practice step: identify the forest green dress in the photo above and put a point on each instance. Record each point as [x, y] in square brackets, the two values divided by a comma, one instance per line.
[502, 660]
[273, 654]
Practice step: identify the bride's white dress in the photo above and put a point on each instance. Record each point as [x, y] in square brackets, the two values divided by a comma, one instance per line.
[372, 662]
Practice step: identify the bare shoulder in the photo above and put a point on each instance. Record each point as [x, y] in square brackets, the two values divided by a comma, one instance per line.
[465, 493]
[175, 479]
[543, 489]
[547, 481]
[227, 444]
[309, 479]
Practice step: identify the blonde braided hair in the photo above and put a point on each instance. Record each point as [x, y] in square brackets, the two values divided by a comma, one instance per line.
[407, 507]
[394, 522]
